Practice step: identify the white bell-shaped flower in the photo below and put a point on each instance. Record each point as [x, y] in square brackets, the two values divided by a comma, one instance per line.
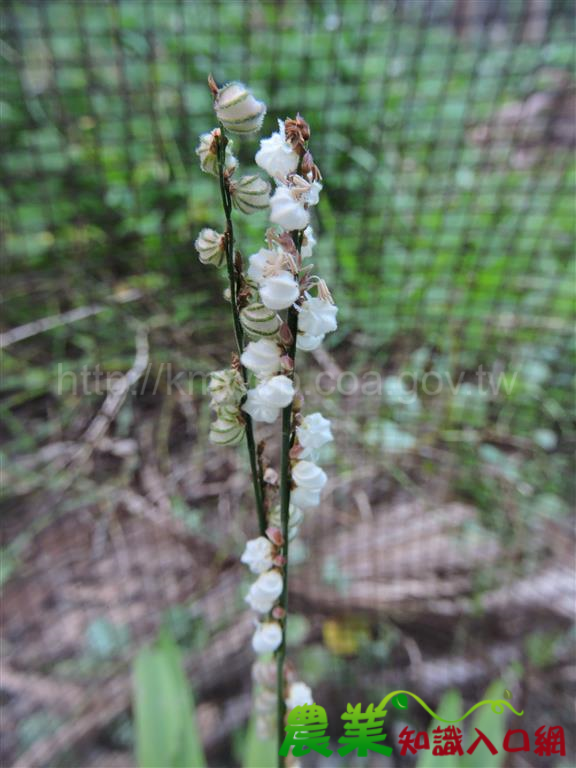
[265, 260]
[317, 316]
[267, 637]
[279, 291]
[308, 243]
[259, 321]
[210, 247]
[250, 194]
[287, 211]
[262, 357]
[258, 554]
[265, 591]
[299, 694]
[312, 197]
[259, 410]
[207, 151]
[276, 155]
[277, 392]
[308, 343]
[238, 110]
[309, 480]
[313, 433]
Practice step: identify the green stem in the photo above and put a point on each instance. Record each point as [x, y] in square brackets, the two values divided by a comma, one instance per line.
[257, 480]
[285, 487]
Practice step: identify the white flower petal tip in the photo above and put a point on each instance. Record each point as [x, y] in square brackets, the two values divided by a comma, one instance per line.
[276, 155]
[250, 194]
[313, 434]
[277, 392]
[258, 555]
[279, 291]
[299, 694]
[308, 343]
[287, 211]
[267, 637]
[258, 410]
[265, 591]
[308, 243]
[317, 317]
[238, 110]
[210, 247]
[309, 480]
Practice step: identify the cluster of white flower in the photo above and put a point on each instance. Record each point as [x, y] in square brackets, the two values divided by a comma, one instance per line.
[259, 385]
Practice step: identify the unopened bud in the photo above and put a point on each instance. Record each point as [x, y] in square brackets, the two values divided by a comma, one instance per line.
[295, 451]
[287, 363]
[298, 402]
[278, 612]
[285, 334]
[279, 560]
[271, 476]
[275, 535]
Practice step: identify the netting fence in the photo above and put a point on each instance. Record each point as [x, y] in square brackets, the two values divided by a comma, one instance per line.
[445, 132]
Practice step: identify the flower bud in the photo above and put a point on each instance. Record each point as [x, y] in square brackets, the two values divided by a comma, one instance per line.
[259, 321]
[250, 194]
[270, 476]
[279, 291]
[211, 247]
[225, 432]
[278, 612]
[226, 387]
[267, 637]
[287, 363]
[275, 535]
[238, 110]
[207, 151]
[285, 335]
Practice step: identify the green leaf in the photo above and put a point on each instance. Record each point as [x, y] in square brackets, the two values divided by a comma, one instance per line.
[259, 753]
[166, 729]
[493, 726]
[450, 708]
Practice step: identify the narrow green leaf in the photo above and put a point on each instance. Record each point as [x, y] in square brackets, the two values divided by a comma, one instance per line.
[165, 721]
[259, 753]
[450, 708]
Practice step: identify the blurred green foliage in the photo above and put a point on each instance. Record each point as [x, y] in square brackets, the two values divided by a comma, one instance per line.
[444, 229]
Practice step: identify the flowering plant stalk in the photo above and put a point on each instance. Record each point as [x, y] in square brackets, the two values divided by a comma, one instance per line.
[259, 384]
